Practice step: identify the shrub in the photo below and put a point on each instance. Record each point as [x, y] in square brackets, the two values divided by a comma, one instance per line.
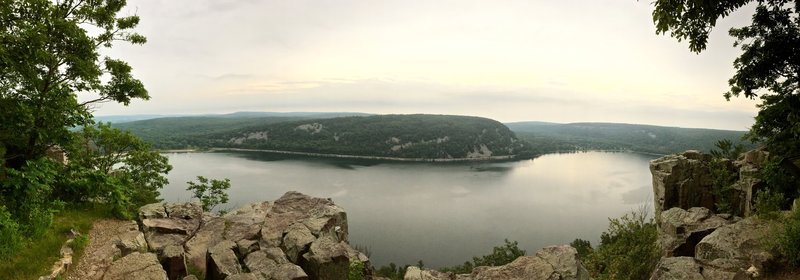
[210, 192]
[10, 236]
[500, 255]
[789, 239]
[584, 248]
[768, 204]
[628, 250]
[356, 271]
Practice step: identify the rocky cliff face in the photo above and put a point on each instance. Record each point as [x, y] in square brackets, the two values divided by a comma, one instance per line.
[295, 237]
[696, 242]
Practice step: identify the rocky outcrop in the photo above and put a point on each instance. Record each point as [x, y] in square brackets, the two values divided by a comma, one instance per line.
[555, 262]
[296, 237]
[136, 265]
[696, 242]
[680, 230]
[684, 181]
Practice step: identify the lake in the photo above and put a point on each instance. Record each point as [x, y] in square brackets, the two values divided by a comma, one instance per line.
[442, 214]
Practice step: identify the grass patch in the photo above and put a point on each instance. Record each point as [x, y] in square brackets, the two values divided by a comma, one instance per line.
[37, 256]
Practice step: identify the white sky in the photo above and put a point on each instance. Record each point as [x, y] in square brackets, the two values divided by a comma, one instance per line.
[559, 61]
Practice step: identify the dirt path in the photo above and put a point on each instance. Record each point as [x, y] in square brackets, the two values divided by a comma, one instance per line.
[99, 254]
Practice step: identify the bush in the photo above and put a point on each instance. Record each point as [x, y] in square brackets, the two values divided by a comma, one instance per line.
[356, 271]
[768, 204]
[210, 192]
[789, 239]
[10, 236]
[583, 247]
[500, 255]
[628, 250]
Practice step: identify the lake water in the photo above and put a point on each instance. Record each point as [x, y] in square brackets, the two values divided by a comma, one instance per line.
[442, 214]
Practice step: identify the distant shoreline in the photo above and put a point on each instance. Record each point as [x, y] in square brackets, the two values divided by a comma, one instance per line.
[491, 158]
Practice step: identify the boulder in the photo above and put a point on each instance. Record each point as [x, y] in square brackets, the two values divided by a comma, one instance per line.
[174, 226]
[130, 240]
[244, 276]
[328, 259]
[258, 261]
[174, 262]
[320, 216]
[680, 268]
[680, 230]
[208, 235]
[415, 273]
[296, 241]
[246, 222]
[731, 247]
[554, 262]
[152, 211]
[143, 266]
[683, 181]
[246, 246]
[222, 261]
[289, 271]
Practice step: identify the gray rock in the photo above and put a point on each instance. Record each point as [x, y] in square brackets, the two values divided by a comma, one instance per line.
[555, 262]
[243, 276]
[680, 230]
[296, 241]
[731, 247]
[246, 222]
[209, 234]
[289, 271]
[321, 217]
[258, 261]
[683, 181]
[173, 261]
[152, 211]
[132, 240]
[139, 266]
[222, 261]
[679, 268]
[246, 246]
[184, 211]
[327, 258]
[415, 273]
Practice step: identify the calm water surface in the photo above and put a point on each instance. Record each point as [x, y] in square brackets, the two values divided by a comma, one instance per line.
[442, 214]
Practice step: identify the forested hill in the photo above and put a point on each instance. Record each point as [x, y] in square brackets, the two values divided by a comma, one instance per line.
[405, 136]
[550, 137]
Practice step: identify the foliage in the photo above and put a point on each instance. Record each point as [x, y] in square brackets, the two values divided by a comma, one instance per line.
[500, 255]
[392, 271]
[628, 250]
[210, 192]
[767, 66]
[39, 254]
[27, 195]
[789, 238]
[410, 136]
[780, 180]
[47, 59]
[584, 248]
[727, 150]
[10, 236]
[114, 166]
[768, 204]
[79, 242]
[356, 271]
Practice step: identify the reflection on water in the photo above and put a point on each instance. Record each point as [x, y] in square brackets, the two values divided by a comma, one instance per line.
[442, 214]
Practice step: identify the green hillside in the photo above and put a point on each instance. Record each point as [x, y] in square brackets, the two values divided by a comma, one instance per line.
[407, 136]
[550, 137]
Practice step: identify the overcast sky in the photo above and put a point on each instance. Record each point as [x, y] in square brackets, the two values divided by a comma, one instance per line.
[559, 61]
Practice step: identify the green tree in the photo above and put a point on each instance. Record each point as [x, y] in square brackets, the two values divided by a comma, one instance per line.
[769, 65]
[114, 166]
[210, 192]
[47, 59]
